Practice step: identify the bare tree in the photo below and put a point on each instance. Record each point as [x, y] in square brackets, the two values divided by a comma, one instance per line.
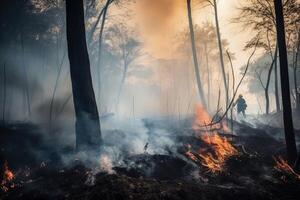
[105, 9]
[195, 58]
[259, 15]
[213, 3]
[123, 43]
[267, 84]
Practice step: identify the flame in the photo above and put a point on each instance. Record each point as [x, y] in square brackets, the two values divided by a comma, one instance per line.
[8, 176]
[201, 117]
[204, 122]
[283, 166]
[220, 149]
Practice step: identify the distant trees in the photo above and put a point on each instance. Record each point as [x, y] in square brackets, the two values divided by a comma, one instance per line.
[258, 73]
[88, 134]
[260, 17]
[208, 52]
[122, 42]
[101, 19]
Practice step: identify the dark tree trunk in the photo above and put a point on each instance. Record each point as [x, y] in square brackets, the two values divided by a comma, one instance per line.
[295, 67]
[267, 101]
[196, 65]
[88, 133]
[268, 83]
[285, 86]
[276, 82]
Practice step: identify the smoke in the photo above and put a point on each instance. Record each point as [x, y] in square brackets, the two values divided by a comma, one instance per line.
[158, 22]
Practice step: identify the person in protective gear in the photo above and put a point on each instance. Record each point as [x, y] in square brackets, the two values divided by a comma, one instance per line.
[241, 105]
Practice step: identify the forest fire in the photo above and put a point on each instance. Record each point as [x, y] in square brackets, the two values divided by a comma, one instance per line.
[218, 149]
[283, 166]
[8, 176]
[150, 99]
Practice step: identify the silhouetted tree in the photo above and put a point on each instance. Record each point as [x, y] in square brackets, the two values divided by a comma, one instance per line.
[88, 134]
[259, 15]
[285, 86]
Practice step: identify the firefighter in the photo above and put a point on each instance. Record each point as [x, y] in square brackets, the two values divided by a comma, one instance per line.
[241, 105]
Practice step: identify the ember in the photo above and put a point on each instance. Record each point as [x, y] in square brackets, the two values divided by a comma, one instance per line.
[8, 176]
[283, 166]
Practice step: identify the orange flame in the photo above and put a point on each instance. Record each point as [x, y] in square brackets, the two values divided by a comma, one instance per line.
[8, 176]
[204, 122]
[221, 148]
[283, 166]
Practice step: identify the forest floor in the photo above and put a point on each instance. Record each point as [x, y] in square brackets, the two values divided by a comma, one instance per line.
[250, 174]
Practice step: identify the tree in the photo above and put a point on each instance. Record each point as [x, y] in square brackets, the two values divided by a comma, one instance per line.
[215, 6]
[285, 86]
[295, 70]
[88, 133]
[259, 15]
[105, 9]
[126, 47]
[208, 52]
[266, 86]
[194, 51]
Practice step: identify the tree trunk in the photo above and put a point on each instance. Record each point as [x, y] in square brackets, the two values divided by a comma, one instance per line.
[297, 96]
[285, 86]
[221, 51]
[100, 48]
[4, 94]
[268, 84]
[93, 29]
[297, 93]
[208, 77]
[121, 85]
[25, 74]
[267, 100]
[88, 133]
[196, 65]
[276, 82]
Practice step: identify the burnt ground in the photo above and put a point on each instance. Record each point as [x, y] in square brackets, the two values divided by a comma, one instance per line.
[41, 174]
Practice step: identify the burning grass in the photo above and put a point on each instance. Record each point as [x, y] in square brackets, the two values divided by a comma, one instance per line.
[217, 150]
[282, 166]
[233, 173]
[7, 178]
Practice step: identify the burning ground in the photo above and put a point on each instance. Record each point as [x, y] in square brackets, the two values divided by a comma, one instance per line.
[157, 159]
